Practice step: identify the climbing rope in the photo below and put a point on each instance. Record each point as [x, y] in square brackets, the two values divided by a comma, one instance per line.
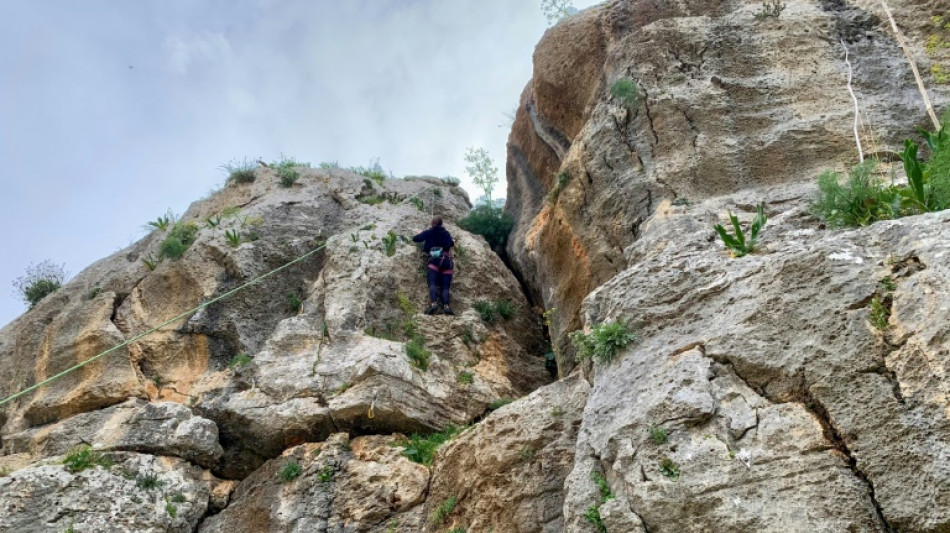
[158, 327]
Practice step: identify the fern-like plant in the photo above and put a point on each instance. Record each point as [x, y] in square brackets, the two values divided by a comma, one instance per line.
[738, 244]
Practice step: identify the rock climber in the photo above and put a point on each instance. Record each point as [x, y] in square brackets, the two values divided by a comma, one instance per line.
[437, 245]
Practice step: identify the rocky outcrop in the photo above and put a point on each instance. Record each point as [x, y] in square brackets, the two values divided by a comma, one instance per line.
[727, 101]
[767, 374]
[137, 493]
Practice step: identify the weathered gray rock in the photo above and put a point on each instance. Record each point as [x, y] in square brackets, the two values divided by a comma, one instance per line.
[49, 498]
[508, 471]
[769, 377]
[160, 428]
[364, 485]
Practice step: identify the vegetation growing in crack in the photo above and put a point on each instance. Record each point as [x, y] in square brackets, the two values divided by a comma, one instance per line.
[290, 471]
[864, 198]
[604, 341]
[179, 239]
[491, 311]
[498, 404]
[85, 457]
[625, 91]
[561, 181]
[770, 9]
[240, 361]
[737, 243]
[443, 511]
[592, 514]
[149, 482]
[422, 448]
[658, 435]
[670, 469]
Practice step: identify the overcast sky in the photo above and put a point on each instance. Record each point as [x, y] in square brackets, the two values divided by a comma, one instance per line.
[112, 112]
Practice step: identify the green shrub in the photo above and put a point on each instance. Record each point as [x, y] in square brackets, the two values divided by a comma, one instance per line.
[490, 222]
[603, 342]
[416, 201]
[181, 236]
[562, 179]
[417, 352]
[326, 165]
[492, 311]
[171, 509]
[592, 515]
[163, 222]
[422, 448]
[213, 222]
[451, 180]
[443, 511]
[602, 486]
[288, 162]
[240, 171]
[294, 303]
[83, 458]
[670, 469]
[625, 91]
[149, 482]
[466, 378]
[862, 200]
[737, 244]
[290, 471]
[233, 237]
[150, 262]
[770, 8]
[658, 435]
[288, 176]
[389, 243]
[498, 404]
[41, 280]
[325, 474]
[179, 498]
[240, 360]
[880, 315]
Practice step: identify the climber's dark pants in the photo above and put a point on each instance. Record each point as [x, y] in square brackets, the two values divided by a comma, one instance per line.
[439, 276]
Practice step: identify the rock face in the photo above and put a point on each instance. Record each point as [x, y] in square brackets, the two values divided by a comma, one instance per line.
[726, 101]
[767, 375]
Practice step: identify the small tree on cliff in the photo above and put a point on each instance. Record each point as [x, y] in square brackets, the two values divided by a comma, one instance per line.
[481, 169]
[557, 10]
[40, 281]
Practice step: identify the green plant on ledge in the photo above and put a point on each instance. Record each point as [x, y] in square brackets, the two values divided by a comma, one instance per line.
[604, 341]
[770, 9]
[738, 244]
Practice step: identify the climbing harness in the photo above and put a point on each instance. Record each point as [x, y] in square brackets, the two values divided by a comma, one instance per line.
[71, 369]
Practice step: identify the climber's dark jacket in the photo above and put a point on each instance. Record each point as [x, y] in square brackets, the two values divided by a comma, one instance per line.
[436, 236]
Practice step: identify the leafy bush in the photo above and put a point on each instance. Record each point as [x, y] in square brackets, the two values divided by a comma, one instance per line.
[288, 162]
[880, 314]
[592, 515]
[491, 311]
[625, 91]
[83, 458]
[466, 378]
[422, 448]
[863, 199]
[326, 165]
[389, 243]
[288, 176]
[489, 221]
[290, 471]
[770, 8]
[737, 244]
[41, 280]
[443, 511]
[240, 171]
[603, 342]
[294, 303]
[562, 179]
[181, 236]
[658, 435]
[325, 474]
[171, 509]
[601, 482]
[451, 180]
[670, 469]
[149, 482]
[240, 360]
[417, 352]
[498, 404]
